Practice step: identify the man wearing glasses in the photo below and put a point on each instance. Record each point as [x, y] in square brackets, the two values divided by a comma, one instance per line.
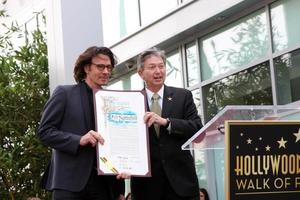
[68, 127]
[172, 119]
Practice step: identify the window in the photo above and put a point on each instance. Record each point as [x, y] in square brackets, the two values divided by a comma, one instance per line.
[219, 165]
[174, 72]
[200, 165]
[123, 17]
[193, 69]
[128, 82]
[154, 9]
[248, 87]
[287, 68]
[119, 18]
[197, 100]
[285, 31]
[136, 82]
[234, 46]
[116, 86]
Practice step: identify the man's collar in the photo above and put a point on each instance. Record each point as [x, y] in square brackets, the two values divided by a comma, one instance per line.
[150, 93]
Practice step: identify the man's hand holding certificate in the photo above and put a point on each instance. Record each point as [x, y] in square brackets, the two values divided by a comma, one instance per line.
[119, 120]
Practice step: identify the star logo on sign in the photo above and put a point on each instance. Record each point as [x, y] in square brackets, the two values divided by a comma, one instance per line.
[249, 141]
[282, 143]
[297, 135]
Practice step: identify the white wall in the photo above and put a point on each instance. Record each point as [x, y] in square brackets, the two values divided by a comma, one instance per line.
[72, 27]
[175, 23]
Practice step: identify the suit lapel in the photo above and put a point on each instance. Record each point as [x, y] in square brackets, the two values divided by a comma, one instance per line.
[167, 102]
[147, 105]
[85, 105]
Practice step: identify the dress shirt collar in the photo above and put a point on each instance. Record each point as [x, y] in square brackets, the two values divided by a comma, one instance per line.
[160, 93]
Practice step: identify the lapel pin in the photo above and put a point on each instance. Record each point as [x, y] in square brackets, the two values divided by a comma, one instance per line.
[169, 98]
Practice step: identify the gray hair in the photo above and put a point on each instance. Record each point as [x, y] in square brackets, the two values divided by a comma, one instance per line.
[147, 54]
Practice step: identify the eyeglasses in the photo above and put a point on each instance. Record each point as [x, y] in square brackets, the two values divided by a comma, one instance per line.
[153, 67]
[101, 67]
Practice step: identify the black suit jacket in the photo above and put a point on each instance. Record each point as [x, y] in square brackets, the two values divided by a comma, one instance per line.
[67, 116]
[166, 153]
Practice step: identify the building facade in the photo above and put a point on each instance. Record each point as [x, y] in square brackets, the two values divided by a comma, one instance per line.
[227, 52]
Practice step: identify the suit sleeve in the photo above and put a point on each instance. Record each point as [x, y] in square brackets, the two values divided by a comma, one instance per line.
[118, 187]
[190, 123]
[49, 130]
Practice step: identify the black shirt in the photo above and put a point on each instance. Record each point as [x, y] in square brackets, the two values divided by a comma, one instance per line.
[91, 124]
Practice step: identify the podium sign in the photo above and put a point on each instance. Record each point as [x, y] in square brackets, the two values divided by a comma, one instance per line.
[262, 160]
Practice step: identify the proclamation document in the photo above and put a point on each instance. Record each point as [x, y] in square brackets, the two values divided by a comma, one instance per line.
[119, 119]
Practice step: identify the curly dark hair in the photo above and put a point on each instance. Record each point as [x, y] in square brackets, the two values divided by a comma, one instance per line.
[86, 58]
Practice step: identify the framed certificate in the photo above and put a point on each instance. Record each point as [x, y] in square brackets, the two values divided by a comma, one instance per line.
[119, 120]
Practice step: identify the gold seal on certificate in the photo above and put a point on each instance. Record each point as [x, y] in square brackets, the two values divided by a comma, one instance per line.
[119, 119]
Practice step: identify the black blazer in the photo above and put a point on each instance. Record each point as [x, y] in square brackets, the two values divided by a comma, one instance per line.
[65, 119]
[166, 153]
